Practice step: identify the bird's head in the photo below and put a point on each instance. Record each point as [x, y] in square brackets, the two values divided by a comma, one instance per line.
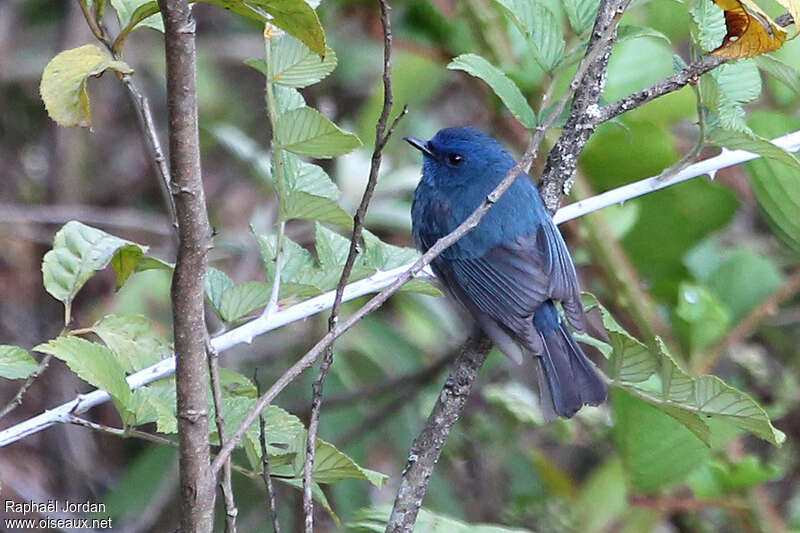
[459, 156]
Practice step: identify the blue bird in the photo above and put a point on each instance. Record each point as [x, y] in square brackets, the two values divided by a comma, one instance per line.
[511, 269]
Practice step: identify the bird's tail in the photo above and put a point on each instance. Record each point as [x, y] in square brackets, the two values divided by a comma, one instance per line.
[567, 379]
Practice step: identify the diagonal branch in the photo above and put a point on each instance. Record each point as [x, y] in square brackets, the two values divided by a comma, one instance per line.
[381, 138]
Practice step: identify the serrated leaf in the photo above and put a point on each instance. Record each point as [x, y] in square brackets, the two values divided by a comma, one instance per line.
[287, 99]
[736, 84]
[332, 248]
[93, 363]
[541, 27]
[501, 84]
[656, 378]
[306, 131]
[308, 178]
[301, 205]
[244, 298]
[133, 340]
[16, 363]
[581, 13]
[296, 259]
[295, 65]
[154, 403]
[217, 284]
[78, 252]
[63, 86]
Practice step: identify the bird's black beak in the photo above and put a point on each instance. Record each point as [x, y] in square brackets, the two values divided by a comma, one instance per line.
[422, 146]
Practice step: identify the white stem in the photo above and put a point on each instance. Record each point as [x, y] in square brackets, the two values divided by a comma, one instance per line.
[374, 283]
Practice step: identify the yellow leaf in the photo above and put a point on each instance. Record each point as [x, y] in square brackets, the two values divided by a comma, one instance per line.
[63, 86]
[751, 32]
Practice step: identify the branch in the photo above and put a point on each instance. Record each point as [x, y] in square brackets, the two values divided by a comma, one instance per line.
[563, 158]
[231, 512]
[194, 233]
[272, 507]
[381, 138]
[245, 333]
[16, 401]
[427, 447]
[689, 75]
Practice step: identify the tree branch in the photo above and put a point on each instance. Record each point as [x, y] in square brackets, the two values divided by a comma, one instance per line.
[272, 507]
[428, 445]
[226, 485]
[196, 480]
[381, 138]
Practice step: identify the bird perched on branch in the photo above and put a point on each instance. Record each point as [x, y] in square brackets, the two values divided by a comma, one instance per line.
[511, 269]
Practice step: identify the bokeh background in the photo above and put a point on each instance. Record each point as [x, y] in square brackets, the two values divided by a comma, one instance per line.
[688, 263]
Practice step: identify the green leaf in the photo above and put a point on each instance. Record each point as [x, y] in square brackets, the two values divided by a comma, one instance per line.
[78, 252]
[306, 131]
[581, 13]
[710, 21]
[295, 17]
[16, 363]
[706, 318]
[332, 248]
[779, 70]
[244, 298]
[311, 194]
[741, 140]
[717, 479]
[501, 84]
[63, 86]
[217, 284]
[302, 205]
[93, 363]
[154, 403]
[287, 99]
[133, 340]
[541, 27]
[777, 186]
[655, 377]
[235, 384]
[296, 259]
[737, 84]
[732, 281]
[374, 519]
[332, 465]
[295, 65]
[656, 450]
[126, 12]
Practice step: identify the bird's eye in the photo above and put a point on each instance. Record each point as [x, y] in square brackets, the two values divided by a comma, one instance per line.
[455, 159]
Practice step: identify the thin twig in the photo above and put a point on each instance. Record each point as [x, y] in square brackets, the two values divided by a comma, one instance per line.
[225, 484]
[272, 507]
[16, 401]
[143, 114]
[749, 323]
[381, 138]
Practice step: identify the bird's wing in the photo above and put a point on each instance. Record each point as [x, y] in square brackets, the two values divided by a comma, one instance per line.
[511, 280]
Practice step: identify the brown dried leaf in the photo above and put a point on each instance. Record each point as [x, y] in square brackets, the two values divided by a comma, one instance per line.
[751, 32]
